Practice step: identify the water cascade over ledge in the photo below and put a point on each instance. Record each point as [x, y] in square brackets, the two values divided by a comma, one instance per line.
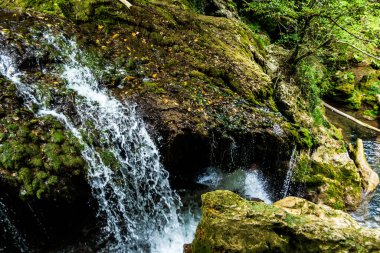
[135, 200]
[289, 175]
[9, 231]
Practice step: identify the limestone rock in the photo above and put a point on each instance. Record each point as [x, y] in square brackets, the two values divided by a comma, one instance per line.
[232, 224]
[329, 175]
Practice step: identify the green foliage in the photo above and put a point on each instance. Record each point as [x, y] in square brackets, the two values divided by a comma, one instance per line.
[57, 136]
[311, 75]
[307, 26]
[319, 117]
[371, 113]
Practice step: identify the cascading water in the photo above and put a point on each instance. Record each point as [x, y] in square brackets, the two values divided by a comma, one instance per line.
[248, 183]
[133, 194]
[10, 232]
[289, 174]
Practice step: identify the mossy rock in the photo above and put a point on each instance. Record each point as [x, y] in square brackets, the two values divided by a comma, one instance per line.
[330, 177]
[232, 224]
[37, 156]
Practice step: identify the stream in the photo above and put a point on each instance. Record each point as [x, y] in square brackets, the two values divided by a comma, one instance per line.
[368, 213]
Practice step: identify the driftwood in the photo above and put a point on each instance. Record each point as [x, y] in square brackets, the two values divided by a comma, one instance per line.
[126, 3]
[351, 118]
[370, 179]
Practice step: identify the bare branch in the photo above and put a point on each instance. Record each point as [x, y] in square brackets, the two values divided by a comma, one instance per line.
[344, 29]
[310, 52]
[360, 50]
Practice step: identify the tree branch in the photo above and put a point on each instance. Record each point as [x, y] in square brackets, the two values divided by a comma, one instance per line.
[344, 29]
[360, 50]
[310, 52]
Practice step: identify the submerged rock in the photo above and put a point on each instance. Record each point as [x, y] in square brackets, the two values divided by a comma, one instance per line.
[231, 224]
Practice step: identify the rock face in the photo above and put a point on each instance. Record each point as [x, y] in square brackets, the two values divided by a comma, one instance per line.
[232, 224]
[205, 95]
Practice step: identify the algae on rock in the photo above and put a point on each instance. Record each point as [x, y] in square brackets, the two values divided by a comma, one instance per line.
[232, 224]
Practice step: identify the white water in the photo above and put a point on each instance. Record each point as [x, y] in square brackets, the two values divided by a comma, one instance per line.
[248, 183]
[289, 174]
[7, 228]
[135, 200]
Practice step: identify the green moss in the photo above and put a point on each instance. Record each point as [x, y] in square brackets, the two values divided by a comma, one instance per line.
[355, 101]
[306, 138]
[373, 113]
[25, 175]
[106, 11]
[40, 153]
[110, 160]
[72, 161]
[154, 87]
[344, 83]
[52, 181]
[319, 117]
[57, 136]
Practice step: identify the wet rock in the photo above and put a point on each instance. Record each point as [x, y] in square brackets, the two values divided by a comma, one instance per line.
[206, 95]
[221, 8]
[232, 224]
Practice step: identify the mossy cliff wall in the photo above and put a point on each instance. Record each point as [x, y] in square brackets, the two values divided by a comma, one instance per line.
[202, 83]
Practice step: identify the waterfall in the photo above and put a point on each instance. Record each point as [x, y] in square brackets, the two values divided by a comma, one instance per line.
[289, 175]
[127, 180]
[248, 183]
[9, 232]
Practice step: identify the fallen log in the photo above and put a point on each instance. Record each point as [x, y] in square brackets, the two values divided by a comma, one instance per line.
[126, 3]
[351, 118]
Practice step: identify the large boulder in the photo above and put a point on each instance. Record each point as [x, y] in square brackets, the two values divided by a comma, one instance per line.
[232, 224]
[329, 176]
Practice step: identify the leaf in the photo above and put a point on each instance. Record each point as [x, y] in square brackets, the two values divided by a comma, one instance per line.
[116, 35]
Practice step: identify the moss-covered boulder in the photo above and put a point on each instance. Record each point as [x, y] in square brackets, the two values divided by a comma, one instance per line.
[232, 224]
[329, 175]
[37, 155]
